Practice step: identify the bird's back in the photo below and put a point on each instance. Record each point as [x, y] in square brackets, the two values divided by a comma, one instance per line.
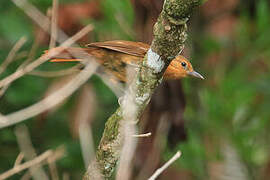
[138, 49]
[114, 56]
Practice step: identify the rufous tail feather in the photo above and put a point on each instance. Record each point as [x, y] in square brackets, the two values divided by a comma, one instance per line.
[64, 55]
[65, 60]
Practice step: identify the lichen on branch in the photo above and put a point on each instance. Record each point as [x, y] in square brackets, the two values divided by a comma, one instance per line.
[170, 33]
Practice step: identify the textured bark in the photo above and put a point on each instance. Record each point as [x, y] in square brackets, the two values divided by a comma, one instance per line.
[170, 33]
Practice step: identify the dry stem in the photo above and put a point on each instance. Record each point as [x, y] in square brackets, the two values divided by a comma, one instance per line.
[54, 28]
[12, 54]
[165, 166]
[29, 152]
[142, 135]
[44, 58]
[57, 154]
[51, 100]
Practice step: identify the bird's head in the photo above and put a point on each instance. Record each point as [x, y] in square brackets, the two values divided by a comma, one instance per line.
[180, 67]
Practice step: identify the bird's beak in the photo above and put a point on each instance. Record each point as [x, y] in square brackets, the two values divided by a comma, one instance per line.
[195, 74]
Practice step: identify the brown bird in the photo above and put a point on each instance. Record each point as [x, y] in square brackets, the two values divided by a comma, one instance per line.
[116, 55]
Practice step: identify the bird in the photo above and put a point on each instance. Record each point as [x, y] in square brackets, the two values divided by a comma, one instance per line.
[116, 55]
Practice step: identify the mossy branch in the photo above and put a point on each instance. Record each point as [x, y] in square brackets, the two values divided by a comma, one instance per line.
[170, 33]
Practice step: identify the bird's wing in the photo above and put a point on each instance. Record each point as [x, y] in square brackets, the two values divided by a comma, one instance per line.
[138, 49]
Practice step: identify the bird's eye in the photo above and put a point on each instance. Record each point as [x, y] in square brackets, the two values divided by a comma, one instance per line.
[184, 64]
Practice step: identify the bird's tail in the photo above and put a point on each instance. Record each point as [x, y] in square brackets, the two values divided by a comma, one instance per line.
[64, 54]
[65, 60]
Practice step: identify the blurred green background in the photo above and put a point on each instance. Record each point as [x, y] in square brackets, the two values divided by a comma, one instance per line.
[226, 116]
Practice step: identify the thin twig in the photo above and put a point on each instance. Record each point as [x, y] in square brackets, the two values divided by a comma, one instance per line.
[38, 160]
[142, 135]
[78, 35]
[38, 17]
[127, 153]
[20, 55]
[44, 23]
[26, 147]
[50, 100]
[54, 24]
[82, 118]
[44, 58]
[19, 159]
[53, 170]
[87, 143]
[165, 166]
[12, 54]
[42, 20]
[126, 129]
[3, 90]
[33, 50]
[155, 149]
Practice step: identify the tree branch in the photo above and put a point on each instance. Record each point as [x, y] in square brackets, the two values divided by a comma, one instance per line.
[165, 166]
[39, 160]
[170, 33]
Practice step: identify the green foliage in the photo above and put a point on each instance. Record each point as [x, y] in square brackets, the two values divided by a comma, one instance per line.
[116, 22]
[15, 26]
